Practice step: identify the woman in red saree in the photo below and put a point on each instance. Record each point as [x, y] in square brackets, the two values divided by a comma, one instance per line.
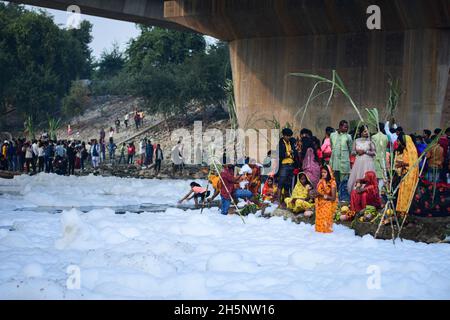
[365, 193]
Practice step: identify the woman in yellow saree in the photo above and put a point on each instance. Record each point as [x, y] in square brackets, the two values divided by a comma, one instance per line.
[300, 200]
[406, 159]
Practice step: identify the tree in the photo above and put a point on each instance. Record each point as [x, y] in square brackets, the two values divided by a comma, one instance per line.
[111, 63]
[76, 101]
[171, 69]
[158, 47]
[38, 61]
[83, 37]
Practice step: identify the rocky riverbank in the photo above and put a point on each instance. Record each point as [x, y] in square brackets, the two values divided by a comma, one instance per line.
[428, 230]
[136, 171]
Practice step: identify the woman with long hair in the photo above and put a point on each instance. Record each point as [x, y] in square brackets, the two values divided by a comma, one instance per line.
[326, 201]
[364, 150]
[326, 145]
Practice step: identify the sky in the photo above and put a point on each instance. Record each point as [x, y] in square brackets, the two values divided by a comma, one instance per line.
[105, 31]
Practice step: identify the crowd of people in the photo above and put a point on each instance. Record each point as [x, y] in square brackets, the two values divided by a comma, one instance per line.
[304, 175]
[65, 156]
[138, 117]
[307, 174]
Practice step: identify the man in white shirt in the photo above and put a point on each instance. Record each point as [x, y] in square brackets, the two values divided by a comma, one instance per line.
[34, 147]
[126, 120]
[142, 146]
[392, 136]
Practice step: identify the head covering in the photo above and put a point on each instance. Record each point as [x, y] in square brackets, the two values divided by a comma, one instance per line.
[370, 178]
[307, 177]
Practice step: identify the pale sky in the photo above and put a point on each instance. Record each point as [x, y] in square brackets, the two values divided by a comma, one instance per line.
[104, 31]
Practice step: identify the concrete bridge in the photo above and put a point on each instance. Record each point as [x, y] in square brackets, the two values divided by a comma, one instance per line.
[271, 38]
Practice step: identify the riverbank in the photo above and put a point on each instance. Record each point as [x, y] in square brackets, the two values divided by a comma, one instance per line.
[418, 229]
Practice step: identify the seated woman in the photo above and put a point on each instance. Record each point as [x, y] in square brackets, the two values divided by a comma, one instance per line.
[198, 192]
[365, 192]
[300, 200]
[269, 190]
[255, 179]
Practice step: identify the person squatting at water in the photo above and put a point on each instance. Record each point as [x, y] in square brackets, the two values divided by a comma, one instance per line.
[197, 192]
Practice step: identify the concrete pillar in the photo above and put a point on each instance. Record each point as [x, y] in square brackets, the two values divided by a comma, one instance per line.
[264, 90]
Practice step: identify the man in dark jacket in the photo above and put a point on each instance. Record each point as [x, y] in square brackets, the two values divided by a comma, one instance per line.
[11, 154]
[159, 157]
[149, 153]
[287, 162]
[71, 154]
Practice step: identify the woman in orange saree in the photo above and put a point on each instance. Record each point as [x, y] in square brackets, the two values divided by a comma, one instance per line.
[326, 201]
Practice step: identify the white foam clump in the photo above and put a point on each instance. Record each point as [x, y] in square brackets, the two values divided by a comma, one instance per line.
[33, 270]
[198, 225]
[229, 262]
[75, 233]
[308, 260]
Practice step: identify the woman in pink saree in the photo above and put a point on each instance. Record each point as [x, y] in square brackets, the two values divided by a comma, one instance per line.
[310, 162]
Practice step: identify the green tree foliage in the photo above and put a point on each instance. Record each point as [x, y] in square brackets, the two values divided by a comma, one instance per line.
[76, 101]
[38, 60]
[110, 76]
[111, 63]
[171, 69]
[158, 47]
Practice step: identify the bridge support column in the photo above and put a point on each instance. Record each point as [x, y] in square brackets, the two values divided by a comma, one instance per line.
[264, 91]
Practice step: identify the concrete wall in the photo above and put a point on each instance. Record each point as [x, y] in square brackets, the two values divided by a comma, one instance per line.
[264, 89]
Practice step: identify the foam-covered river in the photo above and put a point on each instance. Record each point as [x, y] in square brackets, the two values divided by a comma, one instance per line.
[91, 238]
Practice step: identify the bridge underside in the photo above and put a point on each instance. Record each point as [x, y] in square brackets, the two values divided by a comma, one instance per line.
[271, 38]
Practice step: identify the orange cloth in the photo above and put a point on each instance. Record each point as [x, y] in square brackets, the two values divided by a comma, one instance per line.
[325, 209]
[255, 180]
[269, 192]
